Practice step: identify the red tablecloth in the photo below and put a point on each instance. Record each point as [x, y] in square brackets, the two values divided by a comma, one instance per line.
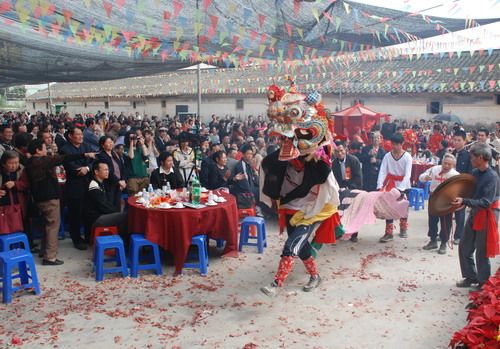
[417, 169]
[173, 228]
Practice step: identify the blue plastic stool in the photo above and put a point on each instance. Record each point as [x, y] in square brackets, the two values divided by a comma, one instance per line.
[201, 242]
[22, 259]
[426, 186]
[11, 241]
[416, 198]
[259, 223]
[137, 241]
[109, 242]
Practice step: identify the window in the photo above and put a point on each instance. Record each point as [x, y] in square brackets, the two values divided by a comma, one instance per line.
[34, 105]
[240, 103]
[85, 105]
[435, 107]
[164, 104]
[106, 105]
[47, 105]
[179, 109]
[134, 105]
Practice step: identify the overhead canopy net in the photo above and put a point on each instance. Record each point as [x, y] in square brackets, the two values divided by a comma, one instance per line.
[59, 40]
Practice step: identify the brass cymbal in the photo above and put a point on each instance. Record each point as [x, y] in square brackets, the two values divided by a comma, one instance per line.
[462, 185]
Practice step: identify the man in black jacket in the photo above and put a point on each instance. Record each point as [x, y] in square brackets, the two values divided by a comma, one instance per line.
[463, 166]
[347, 171]
[77, 179]
[101, 211]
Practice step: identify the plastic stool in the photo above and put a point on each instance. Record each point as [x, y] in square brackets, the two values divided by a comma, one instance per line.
[248, 212]
[103, 231]
[245, 212]
[201, 242]
[22, 259]
[8, 241]
[416, 198]
[137, 241]
[426, 186]
[109, 242]
[246, 224]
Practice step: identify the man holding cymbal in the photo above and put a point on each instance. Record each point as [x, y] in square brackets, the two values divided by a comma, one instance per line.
[481, 229]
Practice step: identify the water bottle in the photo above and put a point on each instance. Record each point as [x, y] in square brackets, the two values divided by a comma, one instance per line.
[168, 187]
[195, 192]
[145, 195]
[151, 191]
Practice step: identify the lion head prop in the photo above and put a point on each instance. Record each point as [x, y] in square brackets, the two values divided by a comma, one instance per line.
[301, 121]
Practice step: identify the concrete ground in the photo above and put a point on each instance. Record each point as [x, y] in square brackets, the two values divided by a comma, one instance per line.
[374, 295]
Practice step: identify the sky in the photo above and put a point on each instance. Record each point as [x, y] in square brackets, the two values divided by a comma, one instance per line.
[443, 8]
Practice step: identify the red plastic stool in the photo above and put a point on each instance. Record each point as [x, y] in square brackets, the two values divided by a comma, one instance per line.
[104, 231]
[247, 212]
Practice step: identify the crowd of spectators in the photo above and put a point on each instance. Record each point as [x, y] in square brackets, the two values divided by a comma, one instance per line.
[87, 163]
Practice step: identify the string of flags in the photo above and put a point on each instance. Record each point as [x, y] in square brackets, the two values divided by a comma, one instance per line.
[233, 43]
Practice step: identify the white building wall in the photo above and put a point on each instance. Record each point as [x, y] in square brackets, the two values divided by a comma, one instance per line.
[471, 109]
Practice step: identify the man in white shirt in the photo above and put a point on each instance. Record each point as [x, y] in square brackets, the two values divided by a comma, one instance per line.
[437, 175]
[395, 172]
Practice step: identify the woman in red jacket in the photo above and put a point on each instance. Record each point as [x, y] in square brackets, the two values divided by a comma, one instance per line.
[14, 186]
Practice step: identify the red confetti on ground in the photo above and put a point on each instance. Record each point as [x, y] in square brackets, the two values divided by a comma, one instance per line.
[407, 287]
[366, 261]
[250, 346]
[16, 340]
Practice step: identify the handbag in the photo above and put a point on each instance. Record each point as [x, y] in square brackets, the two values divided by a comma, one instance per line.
[245, 200]
[11, 217]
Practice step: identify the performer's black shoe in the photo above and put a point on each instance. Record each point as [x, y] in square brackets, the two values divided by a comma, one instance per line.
[442, 248]
[403, 234]
[456, 241]
[386, 238]
[270, 290]
[464, 283]
[314, 282]
[354, 237]
[431, 245]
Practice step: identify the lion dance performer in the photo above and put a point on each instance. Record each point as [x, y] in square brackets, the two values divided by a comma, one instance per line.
[299, 177]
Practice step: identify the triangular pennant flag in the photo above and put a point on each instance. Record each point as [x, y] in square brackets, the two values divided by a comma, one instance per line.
[108, 7]
[301, 32]
[67, 16]
[262, 18]
[288, 28]
[206, 4]
[315, 14]
[177, 7]
[481, 68]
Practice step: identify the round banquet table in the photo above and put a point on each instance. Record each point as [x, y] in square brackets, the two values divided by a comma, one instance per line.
[173, 228]
[417, 168]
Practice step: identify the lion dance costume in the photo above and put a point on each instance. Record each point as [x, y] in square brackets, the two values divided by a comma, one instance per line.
[299, 177]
